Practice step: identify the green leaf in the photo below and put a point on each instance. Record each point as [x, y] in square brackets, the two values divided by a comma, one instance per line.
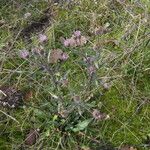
[39, 113]
[47, 133]
[55, 117]
[81, 125]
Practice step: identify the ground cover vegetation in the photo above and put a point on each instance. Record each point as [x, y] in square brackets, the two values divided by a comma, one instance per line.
[75, 74]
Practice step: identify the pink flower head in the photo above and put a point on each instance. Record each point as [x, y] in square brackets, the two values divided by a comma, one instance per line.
[42, 38]
[64, 56]
[77, 33]
[24, 54]
[66, 42]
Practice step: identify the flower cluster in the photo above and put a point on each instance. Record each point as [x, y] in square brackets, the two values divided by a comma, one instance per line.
[76, 40]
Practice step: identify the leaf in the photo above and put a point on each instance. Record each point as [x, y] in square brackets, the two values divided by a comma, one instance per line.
[55, 117]
[40, 114]
[47, 133]
[81, 125]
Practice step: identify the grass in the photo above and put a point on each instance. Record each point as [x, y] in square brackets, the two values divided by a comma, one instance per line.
[121, 58]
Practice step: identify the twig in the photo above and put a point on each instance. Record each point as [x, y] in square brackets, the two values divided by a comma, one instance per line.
[9, 116]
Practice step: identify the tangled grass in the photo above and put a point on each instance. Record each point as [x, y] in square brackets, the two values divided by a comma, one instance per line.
[92, 94]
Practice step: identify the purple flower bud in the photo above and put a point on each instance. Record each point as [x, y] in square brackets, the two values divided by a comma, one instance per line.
[42, 38]
[66, 42]
[64, 56]
[77, 33]
[24, 54]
